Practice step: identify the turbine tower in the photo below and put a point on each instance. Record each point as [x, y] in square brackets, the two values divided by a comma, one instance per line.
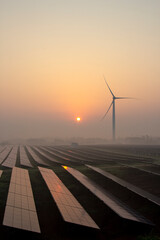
[113, 114]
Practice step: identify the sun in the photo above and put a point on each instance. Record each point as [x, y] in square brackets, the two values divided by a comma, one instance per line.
[78, 119]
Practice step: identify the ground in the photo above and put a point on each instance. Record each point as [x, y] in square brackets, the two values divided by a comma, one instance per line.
[125, 162]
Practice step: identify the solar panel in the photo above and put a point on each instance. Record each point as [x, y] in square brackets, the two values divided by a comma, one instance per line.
[36, 157]
[141, 169]
[69, 207]
[20, 211]
[83, 155]
[24, 160]
[125, 184]
[58, 155]
[59, 158]
[63, 155]
[4, 153]
[11, 159]
[46, 155]
[112, 202]
[2, 148]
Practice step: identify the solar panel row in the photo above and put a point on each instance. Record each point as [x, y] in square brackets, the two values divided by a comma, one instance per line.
[4, 153]
[24, 160]
[128, 185]
[118, 153]
[69, 207]
[85, 155]
[107, 198]
[2, 148]
[141, 169]
[59, 155]
[20, 211]
[36, 157]
[11, 159]
[66, 155]
[46, 155]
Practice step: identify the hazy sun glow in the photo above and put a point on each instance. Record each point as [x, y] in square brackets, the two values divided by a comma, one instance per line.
[54, 55]
[78, 119]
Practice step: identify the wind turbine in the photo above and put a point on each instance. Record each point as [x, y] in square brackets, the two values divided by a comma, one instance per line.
[113, 104]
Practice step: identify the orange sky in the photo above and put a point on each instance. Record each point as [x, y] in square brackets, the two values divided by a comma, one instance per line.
[53, 57]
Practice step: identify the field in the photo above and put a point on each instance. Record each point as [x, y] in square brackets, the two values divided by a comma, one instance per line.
[137, 166]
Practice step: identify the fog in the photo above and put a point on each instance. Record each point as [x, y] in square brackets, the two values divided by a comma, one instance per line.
[54, 55]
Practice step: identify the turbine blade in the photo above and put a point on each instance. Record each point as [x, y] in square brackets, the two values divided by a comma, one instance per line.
[107, 111]
[108, 87]
[124, 98]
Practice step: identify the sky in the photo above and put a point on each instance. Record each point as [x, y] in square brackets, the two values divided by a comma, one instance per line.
[54, 54]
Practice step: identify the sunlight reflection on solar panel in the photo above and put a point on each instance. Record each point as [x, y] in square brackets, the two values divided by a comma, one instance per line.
[69, 207]
[121, 209]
